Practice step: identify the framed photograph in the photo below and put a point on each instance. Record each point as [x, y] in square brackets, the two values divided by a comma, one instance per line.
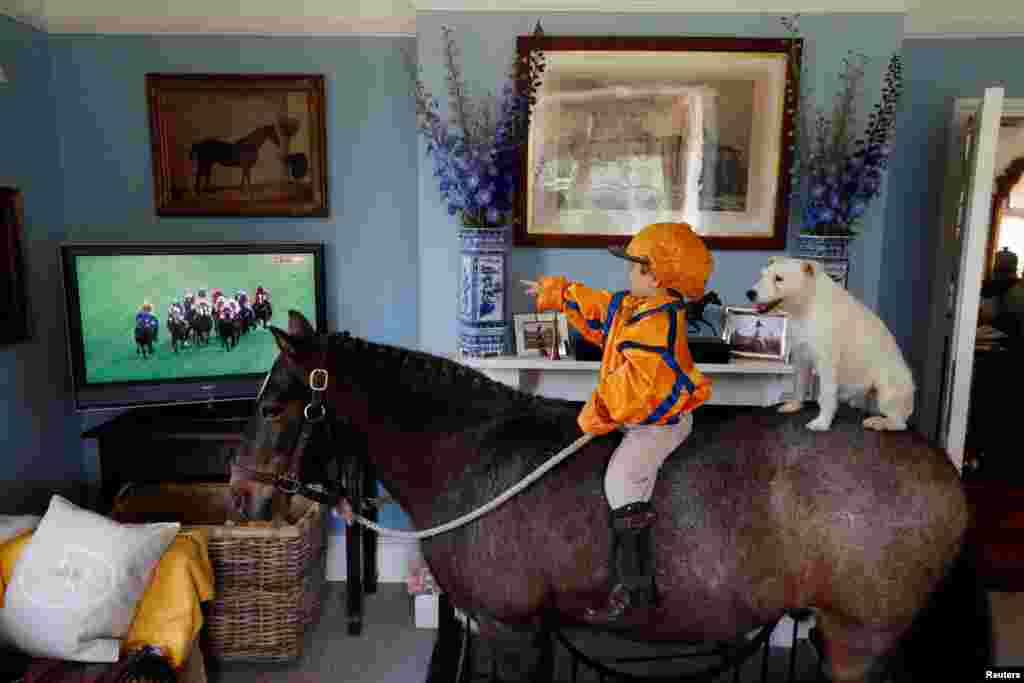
[756, 335]
[536, 332]
[628, 131]
[238, 145]
[13, 299]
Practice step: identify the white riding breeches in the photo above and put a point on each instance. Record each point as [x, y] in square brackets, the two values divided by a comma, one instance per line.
[634, 465]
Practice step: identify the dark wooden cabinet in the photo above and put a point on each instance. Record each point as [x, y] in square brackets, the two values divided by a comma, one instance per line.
[176, 443]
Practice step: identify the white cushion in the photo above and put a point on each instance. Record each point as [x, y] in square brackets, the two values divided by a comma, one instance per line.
[74, 590]
[12, 525]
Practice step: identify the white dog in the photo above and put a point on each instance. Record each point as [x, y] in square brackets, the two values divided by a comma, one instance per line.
[850, 348]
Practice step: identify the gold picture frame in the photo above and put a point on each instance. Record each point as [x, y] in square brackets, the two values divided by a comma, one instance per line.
[628, 131]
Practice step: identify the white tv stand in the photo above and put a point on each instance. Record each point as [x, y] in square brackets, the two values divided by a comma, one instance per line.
[741, 382]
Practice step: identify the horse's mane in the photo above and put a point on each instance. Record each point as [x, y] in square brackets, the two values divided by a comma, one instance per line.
[437, 388]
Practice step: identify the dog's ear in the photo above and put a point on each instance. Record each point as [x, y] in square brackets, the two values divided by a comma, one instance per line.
[809, 268]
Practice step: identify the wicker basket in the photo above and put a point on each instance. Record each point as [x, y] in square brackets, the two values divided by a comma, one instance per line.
[268, 581]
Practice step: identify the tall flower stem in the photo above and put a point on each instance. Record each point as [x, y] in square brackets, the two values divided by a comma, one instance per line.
[841, 172]
[476, 153]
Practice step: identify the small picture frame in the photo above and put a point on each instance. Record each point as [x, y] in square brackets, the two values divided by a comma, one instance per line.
[756, 335]
[536, 332]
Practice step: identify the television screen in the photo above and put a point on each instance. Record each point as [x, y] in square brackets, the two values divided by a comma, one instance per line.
[173, 323]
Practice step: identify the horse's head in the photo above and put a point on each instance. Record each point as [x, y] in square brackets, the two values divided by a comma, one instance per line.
[275, 441]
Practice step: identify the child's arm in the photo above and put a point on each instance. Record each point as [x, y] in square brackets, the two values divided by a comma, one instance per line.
[585, 307]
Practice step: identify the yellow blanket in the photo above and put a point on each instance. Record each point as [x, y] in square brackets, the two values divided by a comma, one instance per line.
[168, 615]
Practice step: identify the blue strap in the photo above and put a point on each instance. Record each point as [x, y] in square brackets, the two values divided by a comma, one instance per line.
[683, 380]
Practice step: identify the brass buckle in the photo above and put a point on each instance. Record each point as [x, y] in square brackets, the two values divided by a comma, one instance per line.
[323, 411]
[316, 375]
[288, 486]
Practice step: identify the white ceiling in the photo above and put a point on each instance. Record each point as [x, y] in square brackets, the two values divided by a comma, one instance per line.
[923, 17]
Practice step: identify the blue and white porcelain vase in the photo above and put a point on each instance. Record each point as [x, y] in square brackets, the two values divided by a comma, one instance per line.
[832, 251]
[484, 323]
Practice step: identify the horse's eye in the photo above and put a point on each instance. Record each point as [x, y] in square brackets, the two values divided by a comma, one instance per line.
[271, 411]
[778, 278]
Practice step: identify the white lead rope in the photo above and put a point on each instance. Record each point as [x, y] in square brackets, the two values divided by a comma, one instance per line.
[465, 519]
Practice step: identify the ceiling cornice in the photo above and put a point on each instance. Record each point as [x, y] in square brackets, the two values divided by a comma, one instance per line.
[931, 19]
[269, 26]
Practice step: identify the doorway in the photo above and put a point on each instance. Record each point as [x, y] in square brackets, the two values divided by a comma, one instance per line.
[971, 369]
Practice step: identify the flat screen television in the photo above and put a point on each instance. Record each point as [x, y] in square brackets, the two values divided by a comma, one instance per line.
[108, 285]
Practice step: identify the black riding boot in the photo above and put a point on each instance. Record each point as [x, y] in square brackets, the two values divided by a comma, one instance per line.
[632, 565]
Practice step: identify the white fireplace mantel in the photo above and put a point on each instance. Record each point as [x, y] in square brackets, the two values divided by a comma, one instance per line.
[741, 382]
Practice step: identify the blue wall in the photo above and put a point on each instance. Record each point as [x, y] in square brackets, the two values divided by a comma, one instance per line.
[42, 451]
[371, 267]
[936, 73]
[371, 237]
[487, 42]
[76, 140]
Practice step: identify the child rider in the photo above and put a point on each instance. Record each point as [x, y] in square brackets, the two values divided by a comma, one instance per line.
[648, 387]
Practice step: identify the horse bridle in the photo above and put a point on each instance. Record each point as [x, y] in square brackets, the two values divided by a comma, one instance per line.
[315, 412]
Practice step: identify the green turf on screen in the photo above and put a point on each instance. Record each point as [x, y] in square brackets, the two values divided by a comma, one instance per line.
[113, 288]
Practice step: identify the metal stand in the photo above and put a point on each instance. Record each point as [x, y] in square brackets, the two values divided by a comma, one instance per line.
[731, 657]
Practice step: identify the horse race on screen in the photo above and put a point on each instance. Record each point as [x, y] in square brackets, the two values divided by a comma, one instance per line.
[177, 316]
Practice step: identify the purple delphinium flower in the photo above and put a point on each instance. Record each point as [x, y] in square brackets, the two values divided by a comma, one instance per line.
[843, 173]
[476, 154]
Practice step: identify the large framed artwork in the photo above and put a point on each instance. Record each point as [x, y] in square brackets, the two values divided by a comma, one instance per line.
[628, 131]
[13, 300]
[238, 144]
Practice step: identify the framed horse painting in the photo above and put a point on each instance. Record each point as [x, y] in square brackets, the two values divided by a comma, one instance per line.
[238, 144]
[13, 302]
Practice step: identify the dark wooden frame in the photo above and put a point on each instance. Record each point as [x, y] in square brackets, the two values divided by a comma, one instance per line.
[1004, 184]
[311, 84]
[791, 47]
[13, 299]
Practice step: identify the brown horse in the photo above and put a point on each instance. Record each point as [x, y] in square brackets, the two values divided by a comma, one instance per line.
[757, 515]
[244, 153]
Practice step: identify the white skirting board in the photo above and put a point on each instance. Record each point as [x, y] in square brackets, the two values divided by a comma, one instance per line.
[394, 556]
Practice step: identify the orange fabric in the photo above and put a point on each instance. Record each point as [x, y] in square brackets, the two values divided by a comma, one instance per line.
[677, 255]
[649, 385]
[169, 615]
[10, 551]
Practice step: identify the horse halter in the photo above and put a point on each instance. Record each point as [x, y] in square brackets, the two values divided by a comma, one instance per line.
[315, 412]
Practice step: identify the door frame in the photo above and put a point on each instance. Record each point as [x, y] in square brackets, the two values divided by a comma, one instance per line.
[945, 259]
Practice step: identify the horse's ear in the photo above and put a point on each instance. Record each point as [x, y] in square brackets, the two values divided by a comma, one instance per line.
[299, 327]
[284, 342]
